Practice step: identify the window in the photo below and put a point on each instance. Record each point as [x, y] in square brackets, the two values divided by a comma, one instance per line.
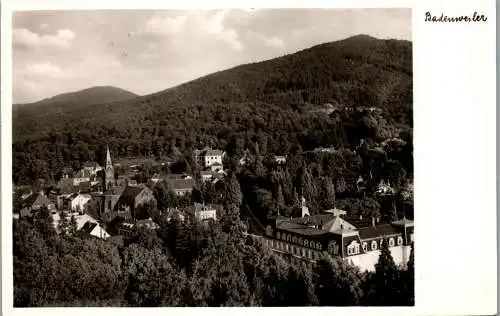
[374, 245]
[391, 242]
[309, 254]
[287, 248]
[306, 243]
[353, 248]
[318, 246]
[278, 235]
[288, 237]
[411, 237]
[303, 252]
[365, 246]
[294, 239]
[333, 247]
[400, 240]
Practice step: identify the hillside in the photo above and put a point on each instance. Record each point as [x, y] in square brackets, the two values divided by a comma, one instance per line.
[93, 95]
[85, 97]
[261, 103]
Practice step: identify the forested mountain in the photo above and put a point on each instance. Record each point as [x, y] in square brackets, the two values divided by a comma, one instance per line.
[262, 106]
[93, 95]
[71, 100]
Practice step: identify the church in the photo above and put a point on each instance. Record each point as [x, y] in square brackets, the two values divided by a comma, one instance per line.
[120, 199]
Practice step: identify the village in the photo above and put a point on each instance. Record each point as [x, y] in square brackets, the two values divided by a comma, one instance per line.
[118, 201]
[101, 204]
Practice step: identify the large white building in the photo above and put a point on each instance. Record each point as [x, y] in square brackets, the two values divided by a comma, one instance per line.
[209, 158]
[311, 237]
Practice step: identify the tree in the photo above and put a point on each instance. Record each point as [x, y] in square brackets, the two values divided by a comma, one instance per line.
[327, 195]
[385, 287]
[234, 195]
[410, 277]
[336, 283]
[161, 195]
[280, 200]
[44, 223]
[64, 224]
[73, 225]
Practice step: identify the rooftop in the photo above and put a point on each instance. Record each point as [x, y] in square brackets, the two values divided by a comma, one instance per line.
[378, 231]
[181, 184]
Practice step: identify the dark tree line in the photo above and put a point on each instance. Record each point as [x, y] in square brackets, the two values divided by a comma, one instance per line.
[188, 264]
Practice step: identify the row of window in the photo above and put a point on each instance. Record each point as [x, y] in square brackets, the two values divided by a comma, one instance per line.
[374, 245]
[299, 240]
[294, 250]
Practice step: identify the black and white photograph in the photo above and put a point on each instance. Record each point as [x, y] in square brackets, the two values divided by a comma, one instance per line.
[212, 158]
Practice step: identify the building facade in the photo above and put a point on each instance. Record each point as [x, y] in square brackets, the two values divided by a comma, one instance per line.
[312, 237]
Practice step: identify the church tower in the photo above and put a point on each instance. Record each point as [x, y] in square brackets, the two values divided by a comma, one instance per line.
[109, 172]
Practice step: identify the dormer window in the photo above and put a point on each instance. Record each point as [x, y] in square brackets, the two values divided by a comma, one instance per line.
[353, 248]
[374, 245]
[391, 242]
[400, 241]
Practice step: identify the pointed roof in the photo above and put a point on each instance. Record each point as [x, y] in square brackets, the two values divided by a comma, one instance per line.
[108, 156]
[338, 223]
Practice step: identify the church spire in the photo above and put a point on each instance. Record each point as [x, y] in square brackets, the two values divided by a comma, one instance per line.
[109, 173]
[108, 156]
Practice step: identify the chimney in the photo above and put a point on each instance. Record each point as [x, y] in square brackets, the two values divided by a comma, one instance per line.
[373, 221]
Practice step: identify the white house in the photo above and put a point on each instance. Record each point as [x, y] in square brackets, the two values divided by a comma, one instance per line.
[92, 167]
[280, 159]
[77, 202]
[206, 175]
[204, 212]
[207, 157]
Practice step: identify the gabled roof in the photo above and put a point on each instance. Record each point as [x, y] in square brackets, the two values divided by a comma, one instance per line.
[181, 184]
[338, 224]
[37, 200]
[66, 186]
[132, 191]
[91, 164]
[88, 227]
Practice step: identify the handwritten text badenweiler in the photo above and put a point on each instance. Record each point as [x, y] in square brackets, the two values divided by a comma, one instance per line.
[463, 18]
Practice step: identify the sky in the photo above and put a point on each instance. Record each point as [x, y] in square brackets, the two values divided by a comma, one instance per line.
[148, 51]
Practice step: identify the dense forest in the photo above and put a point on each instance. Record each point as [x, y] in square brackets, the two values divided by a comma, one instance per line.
[187, 264]
[265, 107]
